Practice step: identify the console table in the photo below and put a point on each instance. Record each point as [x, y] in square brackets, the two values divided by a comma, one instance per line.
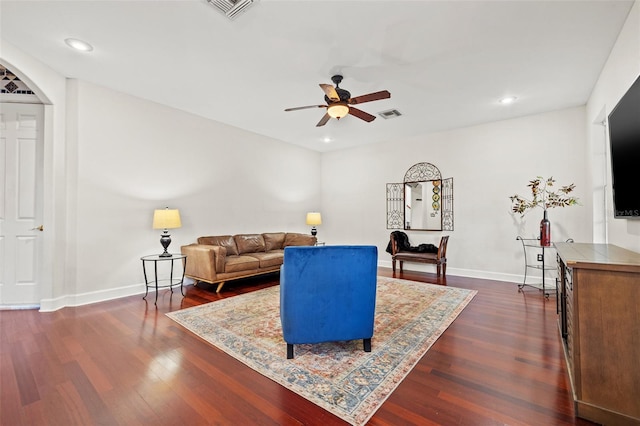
[599, 318]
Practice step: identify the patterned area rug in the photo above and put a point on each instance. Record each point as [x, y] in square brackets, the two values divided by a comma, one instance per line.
[338, 376]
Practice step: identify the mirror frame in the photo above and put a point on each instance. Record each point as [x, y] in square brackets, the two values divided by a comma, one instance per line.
[420, 172]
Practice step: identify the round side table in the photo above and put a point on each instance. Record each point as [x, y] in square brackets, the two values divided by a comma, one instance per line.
[169, 282]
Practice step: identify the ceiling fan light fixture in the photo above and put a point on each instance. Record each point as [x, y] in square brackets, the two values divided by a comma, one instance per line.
[338, 101]
[338, 110]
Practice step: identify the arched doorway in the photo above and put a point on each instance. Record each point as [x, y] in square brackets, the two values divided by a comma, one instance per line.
[21, 192]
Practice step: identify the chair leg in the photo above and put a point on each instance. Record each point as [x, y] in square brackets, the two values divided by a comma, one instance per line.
[220, 287]
[367, 345]
[438, 270]
[289, 351]
[444, 269]
[401, 262]
[394, 266]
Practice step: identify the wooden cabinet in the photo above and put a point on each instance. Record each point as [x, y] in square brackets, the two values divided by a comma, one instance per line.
[599, 315]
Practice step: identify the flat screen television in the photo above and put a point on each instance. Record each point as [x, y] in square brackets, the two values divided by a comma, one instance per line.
[624, 138]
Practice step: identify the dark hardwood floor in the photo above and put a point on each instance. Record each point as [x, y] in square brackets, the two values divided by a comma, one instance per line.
[123, 362]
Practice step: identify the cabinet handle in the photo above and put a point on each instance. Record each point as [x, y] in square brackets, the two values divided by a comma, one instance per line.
[38, 228]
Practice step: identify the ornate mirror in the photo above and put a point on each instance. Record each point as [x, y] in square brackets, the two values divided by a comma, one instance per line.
[422, 205]
[423, 202]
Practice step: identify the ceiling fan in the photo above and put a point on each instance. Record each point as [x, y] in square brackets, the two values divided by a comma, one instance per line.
[339, 101]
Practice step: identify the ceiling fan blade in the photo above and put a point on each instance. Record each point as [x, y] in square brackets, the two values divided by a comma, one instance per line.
[323, 120]
[384, 94]
[330, 91]
[361, 114]
[305, 107]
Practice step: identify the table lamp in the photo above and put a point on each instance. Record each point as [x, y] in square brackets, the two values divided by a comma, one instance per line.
[166, 219]
[313, 219]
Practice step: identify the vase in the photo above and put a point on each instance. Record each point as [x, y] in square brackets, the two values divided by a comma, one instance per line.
[545, 231]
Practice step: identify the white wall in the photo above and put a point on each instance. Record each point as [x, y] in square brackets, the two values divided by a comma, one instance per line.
[488, 163]
[134, 156]
[111, 159]
[620, 71]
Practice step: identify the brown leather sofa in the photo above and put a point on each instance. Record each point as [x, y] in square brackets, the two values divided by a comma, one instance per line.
[218, 259]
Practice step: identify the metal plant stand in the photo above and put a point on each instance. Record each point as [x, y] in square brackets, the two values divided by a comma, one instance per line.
[531, 247]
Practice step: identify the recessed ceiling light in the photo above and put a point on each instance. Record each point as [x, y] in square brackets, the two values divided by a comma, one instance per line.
[326, 140]
[79, 44]
[507, 100]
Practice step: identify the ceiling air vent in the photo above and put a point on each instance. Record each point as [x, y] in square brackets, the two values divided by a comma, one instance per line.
[390, 113]
[231, 8]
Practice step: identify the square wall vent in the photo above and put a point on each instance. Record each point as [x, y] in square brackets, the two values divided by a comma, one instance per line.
[390, 113]
[231, 8]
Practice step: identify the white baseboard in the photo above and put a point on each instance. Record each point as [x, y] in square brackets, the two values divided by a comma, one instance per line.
[470, 273]
[48, 305]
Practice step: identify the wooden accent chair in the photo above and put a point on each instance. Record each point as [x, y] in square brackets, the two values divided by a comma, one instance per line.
[439, 259]
[328, 294]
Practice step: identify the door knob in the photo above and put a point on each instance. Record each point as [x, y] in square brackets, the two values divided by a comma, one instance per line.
[38, 228]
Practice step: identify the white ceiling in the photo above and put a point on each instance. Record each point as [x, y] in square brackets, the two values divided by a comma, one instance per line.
[446, 63]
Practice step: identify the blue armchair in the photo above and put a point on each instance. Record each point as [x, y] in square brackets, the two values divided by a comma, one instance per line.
[327, 294]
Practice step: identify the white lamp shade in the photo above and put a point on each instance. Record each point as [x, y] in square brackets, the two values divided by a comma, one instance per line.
[338, 110]
[166, 219]
[314, 218]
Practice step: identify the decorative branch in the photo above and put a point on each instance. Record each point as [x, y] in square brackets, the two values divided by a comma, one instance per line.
[543, 196]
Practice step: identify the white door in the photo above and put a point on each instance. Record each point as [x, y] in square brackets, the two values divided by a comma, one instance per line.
[21, 159]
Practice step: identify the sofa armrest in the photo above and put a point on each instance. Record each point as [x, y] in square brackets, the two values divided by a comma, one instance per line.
[204, 261]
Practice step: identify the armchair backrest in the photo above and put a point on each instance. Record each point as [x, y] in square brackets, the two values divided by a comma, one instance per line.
[328, 293]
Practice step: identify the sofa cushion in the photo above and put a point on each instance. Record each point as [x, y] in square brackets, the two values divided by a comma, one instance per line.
[293, 239]
[249, 243]
[269, 259]
[241, 263]
[225, 241]
[273, 240]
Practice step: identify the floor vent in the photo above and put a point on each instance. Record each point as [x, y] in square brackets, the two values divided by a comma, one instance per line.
[391, 113]
[231, 8]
